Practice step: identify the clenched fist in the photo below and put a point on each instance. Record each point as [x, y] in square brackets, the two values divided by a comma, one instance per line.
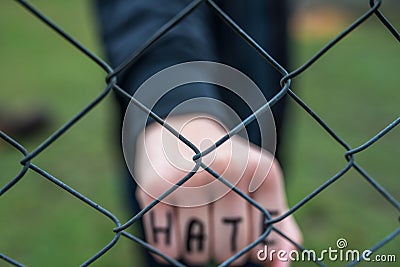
[204, 219]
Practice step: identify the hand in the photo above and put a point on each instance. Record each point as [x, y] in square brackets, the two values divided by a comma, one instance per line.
[204, 219]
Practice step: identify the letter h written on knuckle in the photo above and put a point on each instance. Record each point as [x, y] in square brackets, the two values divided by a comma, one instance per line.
[165, 230]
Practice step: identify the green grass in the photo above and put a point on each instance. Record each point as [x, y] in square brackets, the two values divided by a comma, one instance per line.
[354, 88]
[41, 225]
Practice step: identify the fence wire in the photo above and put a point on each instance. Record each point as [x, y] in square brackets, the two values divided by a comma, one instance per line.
[287, 76]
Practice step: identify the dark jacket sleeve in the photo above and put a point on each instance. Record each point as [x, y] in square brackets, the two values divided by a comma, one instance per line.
[125, 25]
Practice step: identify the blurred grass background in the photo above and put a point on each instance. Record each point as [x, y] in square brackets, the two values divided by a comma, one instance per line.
[355, 88]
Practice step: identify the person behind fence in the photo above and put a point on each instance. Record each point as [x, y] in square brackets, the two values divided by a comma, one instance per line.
[200, 222]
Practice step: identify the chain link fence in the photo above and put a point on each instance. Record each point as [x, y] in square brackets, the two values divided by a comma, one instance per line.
[120, 229]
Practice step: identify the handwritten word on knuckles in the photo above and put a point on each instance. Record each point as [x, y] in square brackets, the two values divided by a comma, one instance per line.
[195, 231]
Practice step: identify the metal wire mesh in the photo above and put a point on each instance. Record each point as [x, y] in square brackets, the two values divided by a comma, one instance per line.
[287, 76]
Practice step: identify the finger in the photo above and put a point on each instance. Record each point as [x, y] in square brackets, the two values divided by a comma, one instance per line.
[285, 245]
[280, 251]
[194, 233]
[231, 221]
[271, 196]
[160, 226]
[231, 214]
